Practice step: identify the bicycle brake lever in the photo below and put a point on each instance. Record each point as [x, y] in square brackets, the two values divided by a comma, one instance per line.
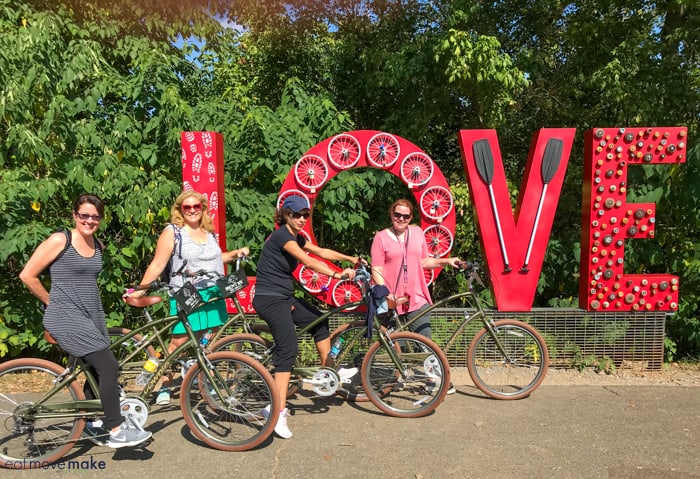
[181, 269]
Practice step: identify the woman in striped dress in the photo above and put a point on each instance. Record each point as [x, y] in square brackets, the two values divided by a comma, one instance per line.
[74, 315]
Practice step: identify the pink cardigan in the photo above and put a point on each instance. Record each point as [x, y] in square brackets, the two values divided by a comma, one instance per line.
[388, 253]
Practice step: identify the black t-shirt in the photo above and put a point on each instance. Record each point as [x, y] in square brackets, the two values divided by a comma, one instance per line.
[274, 274]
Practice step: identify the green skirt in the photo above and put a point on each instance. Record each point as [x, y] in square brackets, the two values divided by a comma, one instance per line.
[210, 316]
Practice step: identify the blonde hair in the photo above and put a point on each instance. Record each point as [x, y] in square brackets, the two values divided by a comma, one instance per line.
[176, 210]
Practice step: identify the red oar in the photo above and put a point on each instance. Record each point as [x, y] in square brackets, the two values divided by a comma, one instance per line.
[550, 164]
[484, 165]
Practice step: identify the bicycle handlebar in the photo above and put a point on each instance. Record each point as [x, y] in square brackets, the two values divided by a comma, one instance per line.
[468, 266]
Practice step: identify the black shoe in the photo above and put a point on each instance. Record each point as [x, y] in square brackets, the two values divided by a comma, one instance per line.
[97, 434]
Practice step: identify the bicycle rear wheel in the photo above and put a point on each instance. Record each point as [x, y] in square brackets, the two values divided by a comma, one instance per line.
[414, 386]
[30, 439]
[232, 421]
[510, 365]
[130, 361]
[355, 347]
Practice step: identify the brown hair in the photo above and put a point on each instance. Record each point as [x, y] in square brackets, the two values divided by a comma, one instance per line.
[92, 199]
[176, 210]
[281, 215]
[401, 202]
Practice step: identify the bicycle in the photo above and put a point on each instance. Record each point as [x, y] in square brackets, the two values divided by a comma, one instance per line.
[132, 358]
[403, 373]
[43, 407]
[507, 359]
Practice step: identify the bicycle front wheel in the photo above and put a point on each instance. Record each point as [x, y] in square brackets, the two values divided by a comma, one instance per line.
[227, 413]
[34, 434]
[407, 378]
[511, 364]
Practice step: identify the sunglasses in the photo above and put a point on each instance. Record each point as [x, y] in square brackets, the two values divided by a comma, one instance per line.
[400, 216]
[85, 216]
[196, 207]
[296, 216]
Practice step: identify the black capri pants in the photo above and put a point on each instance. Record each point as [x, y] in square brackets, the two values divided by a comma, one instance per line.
[281, 314]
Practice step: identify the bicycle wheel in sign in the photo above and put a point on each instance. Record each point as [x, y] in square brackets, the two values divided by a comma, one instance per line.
[311, 172]
[35, 434]
[355, 346]
[286, 193]
[346, 291]
[436, 202]
[429, 275]
[344, 151]
[417, 169]
[439, 240]
[383, 150]
[226, 413]
[510, 365]
[313, 281]
[409, 380]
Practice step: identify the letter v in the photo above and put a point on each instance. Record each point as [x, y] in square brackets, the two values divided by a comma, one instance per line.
[514, 244]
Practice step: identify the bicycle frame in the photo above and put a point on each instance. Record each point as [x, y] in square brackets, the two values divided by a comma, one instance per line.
[479, 314]
[306, 372]
[89, 408]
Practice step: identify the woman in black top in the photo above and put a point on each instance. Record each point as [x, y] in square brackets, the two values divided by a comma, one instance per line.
[274, 297]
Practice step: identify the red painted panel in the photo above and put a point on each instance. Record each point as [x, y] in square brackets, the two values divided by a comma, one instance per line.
[374, 149]
[514, 244]
[203, 171]
[608, 220]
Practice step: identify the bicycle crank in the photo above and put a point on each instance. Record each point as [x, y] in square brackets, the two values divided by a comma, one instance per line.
[135, 411]
[324, 382]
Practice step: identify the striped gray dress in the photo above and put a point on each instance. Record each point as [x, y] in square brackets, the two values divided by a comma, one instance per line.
[75, 316]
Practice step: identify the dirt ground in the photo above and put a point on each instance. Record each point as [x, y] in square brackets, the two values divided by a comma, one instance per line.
[631, 374]
[628, 374]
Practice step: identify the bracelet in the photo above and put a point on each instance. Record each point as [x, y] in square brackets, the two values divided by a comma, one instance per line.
[334, 275]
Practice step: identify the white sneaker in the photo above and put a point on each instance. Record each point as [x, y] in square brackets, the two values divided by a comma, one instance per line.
[346, 373]
[163, 398]
[127, 436]
[281, 428]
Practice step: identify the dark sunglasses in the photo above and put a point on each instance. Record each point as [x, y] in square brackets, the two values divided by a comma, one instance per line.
[400, 216]
[196, 207]
[296, 216]
[85, 216]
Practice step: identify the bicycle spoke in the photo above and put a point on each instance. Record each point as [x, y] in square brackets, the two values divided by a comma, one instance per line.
[414, 388]
[511, 364]
[30, 435]
[226, 414]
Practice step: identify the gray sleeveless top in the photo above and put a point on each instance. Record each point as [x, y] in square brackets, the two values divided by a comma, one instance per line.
[199, 256]
[74, 315]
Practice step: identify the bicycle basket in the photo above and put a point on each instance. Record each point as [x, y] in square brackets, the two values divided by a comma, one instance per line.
[229, 285]
[188, 298]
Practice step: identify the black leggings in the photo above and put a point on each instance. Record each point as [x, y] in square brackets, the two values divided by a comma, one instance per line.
[281, 314]
[104, 366]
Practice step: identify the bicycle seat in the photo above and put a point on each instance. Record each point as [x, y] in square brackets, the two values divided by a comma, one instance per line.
[143, 301]
[49, 339]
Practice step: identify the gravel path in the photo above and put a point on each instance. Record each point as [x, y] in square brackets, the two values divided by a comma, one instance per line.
[629, 374]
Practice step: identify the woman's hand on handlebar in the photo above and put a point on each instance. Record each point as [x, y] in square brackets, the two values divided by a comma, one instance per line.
[347, 273]
[140, 290]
